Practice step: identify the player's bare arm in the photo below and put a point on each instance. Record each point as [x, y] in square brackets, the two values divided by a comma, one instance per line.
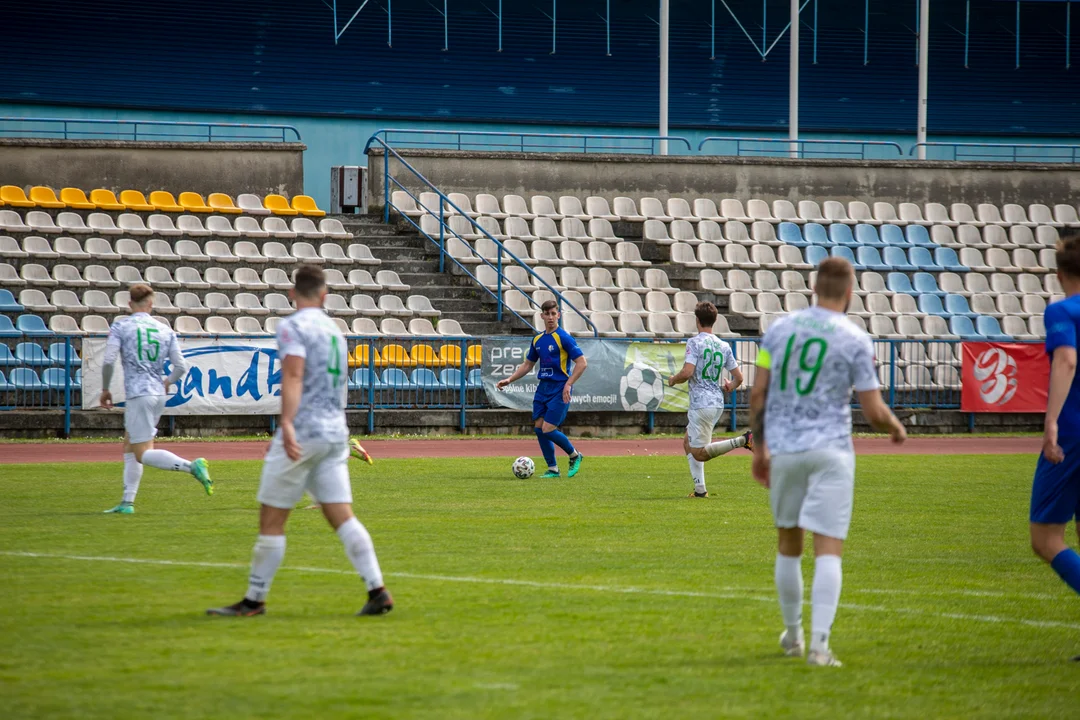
[735, 382]
[683, 375]
[1062, 372]
[880, 417]
[759, 466]
[523, 369]
[292, 383]
[579, 369]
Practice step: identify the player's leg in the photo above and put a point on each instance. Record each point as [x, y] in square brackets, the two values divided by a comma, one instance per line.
[133, 471]
[145, 413]
[1055, 500]
[699, 426]
[547, 448]
[787, 490]
[723, 447]
[554, 417]
[329, 481]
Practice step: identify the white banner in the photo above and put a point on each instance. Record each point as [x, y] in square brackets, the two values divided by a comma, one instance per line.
[225, 377]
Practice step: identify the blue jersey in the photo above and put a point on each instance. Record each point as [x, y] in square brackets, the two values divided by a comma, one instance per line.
[556, 353]
[1062, 321]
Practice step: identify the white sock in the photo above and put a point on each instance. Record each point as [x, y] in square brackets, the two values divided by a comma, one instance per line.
[824, 597]
[165, 460]
[789, 586]
[697, 473]
[266, 558]
[132, 475]
[361, 552]
[723, 447]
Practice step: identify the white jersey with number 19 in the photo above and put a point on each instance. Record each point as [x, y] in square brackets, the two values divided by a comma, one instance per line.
[310, 334]
[814, 357]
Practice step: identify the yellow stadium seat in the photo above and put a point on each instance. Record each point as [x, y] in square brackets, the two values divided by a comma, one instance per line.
[222, 203]
[134, 200]
[76, 198]
[14, 196]
[359, 358]
[425, 356]
[278, 205]
[394, 356]
[306, 206]
[45, 197]
[450, 355]
[164, 201]
[106, 200]
[475, 355]
[193, 202]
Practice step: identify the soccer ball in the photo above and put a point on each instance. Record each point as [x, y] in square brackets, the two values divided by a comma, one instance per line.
[523, 468]
[641, 388]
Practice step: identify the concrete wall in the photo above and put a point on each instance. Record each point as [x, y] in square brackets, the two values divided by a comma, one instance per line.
[738, 177]
[232, 168]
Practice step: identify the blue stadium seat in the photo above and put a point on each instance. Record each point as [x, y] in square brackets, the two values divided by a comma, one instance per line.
[917, 235]
[815, 254]
[56, 378]
[815, 234]
[7, 330]
[840, 234]
[961, 325]
[991, 329]
[958, 305]
[925, 283]
[8, 303]
[867, 235]
[362, 376]
[947, 260]
[31, 354]
[425, 379]
[396, 379]
[893, 235]
[870, 259]
[922, 259]
[6, 358]
[78, 379]
[58, 354]
[931, 305]
[845, 252]
[898, 282]
[789, 233]
[450, 377]
[33, 326]
[23, 378]
[475, 380]
[897, 258]
[4, 384]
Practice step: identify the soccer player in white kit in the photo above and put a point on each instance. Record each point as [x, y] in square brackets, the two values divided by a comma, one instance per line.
[707, 357]
[144, 345]
[800, 414]
[310, 450]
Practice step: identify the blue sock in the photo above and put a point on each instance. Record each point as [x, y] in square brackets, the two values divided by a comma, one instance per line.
[1067, 564]
[556, 436]
[546, 446]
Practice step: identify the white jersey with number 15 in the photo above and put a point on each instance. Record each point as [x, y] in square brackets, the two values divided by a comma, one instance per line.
[310, 334]
[144, 345]
[814, 357]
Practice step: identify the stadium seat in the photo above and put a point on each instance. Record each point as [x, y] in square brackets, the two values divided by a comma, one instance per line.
[990, 328]
[41, 221]
[835, 212]
[626, 209]
[705, 209]
[679, 209]
[488, 205]
[69, 276]
[72, 223]
[1040, 214]
[193, 202]
[952, 284]
[894, 235]
[989, 214]
[958, 305]
[885, 213]
[571, 278]
[765, 256]
[251, 204]
[860, 213]
[102, 224]
[9, 278]
[795, 302]
[24, 378]
[1014, 214]
[628, 254]
[62, 354]
[39, 248]
[156, 224]
[766, 281]
[278, 205]
[846, 253]
[305, 205]
[815, 254]
[192, 226]
[1066, 215]
[130, 199]
[790, 234]
[917, 235]
[35, 300]
[947, 260]
[164, 201]
[542, 207]
[422, 327]
[305, 228]
[515, 205]
[1047, 259]
[14, 196]
[31, 354]
[840, 234]
[100, 199]
[653, 209]
[1046, 236]
[570, 207]
[9, 248]
[631, 302]
[963, 214]
[897, 259]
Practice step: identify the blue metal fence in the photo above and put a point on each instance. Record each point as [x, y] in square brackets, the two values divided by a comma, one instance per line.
[155, 130]
[804, 148]
[527, 142]
[999, 152]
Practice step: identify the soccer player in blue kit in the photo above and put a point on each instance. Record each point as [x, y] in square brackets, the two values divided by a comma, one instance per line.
[555, 350]
[1055, 493]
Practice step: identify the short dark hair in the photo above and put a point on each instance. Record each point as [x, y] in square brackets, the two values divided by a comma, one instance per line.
[549, 305]
[705, 312]
[1068, 253]
[835, 276]
[309, 281]
[139, 292]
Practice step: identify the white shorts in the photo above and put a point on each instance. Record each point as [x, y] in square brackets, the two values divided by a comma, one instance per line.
[322, 470]
[700, 423]
[141, 415]
[814, 491]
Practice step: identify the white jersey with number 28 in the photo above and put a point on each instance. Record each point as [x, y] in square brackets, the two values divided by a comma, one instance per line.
[310, 334]
[814, 358]
[143, 344]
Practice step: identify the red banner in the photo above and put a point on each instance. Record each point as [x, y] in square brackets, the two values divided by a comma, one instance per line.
[1004, 377]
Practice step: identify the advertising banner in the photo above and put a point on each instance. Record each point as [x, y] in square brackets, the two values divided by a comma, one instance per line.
[1004, 377]
[621, 375]
[225, 377]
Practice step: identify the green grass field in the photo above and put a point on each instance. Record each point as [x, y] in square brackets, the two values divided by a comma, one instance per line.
[606, 596]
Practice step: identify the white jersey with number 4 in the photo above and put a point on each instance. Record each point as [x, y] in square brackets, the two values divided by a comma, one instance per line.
[814, 358]
[143, 344]
[710, 356]
[310, 334]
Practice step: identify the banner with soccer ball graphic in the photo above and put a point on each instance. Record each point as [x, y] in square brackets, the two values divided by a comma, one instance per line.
[1004, 377]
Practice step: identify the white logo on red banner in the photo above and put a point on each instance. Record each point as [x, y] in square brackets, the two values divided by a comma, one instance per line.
[996, 372]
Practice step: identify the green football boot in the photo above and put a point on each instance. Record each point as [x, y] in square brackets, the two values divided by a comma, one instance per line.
[124, 508]
[549, 474]
[575, 465]
[201, 470]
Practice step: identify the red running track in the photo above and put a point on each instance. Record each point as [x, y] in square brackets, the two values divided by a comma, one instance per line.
[475, 447]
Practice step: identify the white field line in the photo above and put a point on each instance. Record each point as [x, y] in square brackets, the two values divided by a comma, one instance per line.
[729, 594]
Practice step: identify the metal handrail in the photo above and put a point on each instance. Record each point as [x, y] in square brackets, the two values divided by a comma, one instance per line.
[1011, 156]
[134, 133]
[801, 144]
[521, 145]
[444, 227]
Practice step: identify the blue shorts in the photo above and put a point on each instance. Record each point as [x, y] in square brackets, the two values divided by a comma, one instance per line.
[548, 403]
[1055, 493]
